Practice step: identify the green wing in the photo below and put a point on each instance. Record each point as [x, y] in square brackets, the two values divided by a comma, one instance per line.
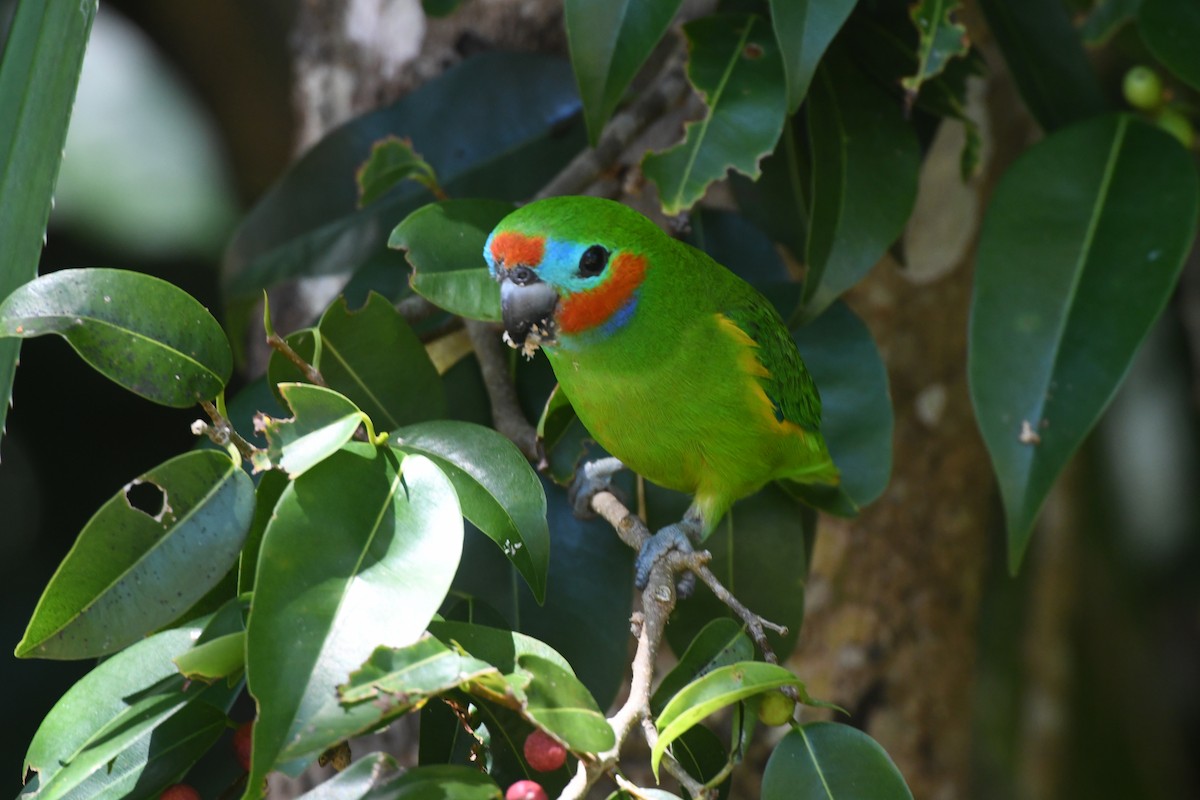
[789, 387]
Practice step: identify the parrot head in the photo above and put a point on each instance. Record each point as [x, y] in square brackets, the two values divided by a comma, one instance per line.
[568, 267]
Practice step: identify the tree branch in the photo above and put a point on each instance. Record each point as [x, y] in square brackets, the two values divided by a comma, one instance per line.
[507, 415]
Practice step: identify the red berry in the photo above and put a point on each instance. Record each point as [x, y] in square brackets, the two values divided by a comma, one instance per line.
[525, 790]
[181, 791]
[543, 753]
[242, 739]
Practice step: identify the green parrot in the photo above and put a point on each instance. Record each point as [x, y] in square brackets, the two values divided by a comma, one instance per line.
[676, 366]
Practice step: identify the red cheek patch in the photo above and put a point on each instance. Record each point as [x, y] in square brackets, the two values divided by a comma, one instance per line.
[510, 249]
[594, 307]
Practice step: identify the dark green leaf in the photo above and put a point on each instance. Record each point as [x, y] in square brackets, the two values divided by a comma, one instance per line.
[719, 643]
[828, 761]
[863, 161]
[392, 160]
[270, 487]
[141, 332]
[39, 71]
[940, 37]
[702, 754]
[1171, 29]
[440, 8]
[558, 702]
[322, 422]
[318, 597]
[804, 28]
[1080, 250]
[716, 690]
[438, 781]
[733, 241]
[498, 491]
[735, 65]
[132, 571]
[510, 114]
[609, 43]
[356, 780]
[1046, 57]
[1106, 18]
[444, 243]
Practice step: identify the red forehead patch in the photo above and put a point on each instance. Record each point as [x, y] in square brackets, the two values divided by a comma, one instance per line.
[594, 307]
[510, 249]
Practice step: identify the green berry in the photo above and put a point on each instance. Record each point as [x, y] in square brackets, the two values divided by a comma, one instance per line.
[775, 708]
[1143, 88]
[1177, 125]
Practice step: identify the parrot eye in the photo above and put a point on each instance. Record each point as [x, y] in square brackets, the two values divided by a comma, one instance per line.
[592, 261]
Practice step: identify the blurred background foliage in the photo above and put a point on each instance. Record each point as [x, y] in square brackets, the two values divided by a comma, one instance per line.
[183, 119]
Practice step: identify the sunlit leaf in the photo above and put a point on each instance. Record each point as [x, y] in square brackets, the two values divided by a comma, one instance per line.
[322, 422]
[558, 702]
[719, 643]
[829, 761]
[220, 658]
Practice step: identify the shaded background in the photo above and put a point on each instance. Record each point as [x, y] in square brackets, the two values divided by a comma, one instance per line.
[1091, 658]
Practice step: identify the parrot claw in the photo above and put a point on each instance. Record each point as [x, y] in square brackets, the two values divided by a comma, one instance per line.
[593, 478]
[673, 537]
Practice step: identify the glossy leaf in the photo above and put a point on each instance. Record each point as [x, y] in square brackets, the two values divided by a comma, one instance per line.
[500, 648]
[856, 406]
[39, 71]
[609, 43]
[220, 658]
[438, 781]
[1046, 57]
[356, 780]
[804, 28]
[863, 161]
[317, 598]
[444, 243]
[940, 37]
[735, 65]
[716, 690]
[719, 643]
[1080, 250]
[270, 487]
[143, 333]
[558, 702]
[392, 160]
[323, 421]
[1171, 29]
[702, 753]
[131, 572]
[511, 117]
[498, 491]
[829, 761]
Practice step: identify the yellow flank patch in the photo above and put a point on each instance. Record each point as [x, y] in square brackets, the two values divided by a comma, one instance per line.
[749, 364]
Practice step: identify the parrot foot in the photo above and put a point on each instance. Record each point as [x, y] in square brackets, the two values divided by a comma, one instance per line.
[682, 537]
[593, 478]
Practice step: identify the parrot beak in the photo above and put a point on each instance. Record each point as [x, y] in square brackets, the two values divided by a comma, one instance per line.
[527, 305]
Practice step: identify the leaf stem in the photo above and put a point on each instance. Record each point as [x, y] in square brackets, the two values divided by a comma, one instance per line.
[221, 431]
[311, 374]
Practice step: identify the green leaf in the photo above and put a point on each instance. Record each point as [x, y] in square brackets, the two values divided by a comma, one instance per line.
[720, 688]
[444, 243]
[323, 421]
[609, 43]
[1047, 60]
[556, 701]
[131, 572]
[1080, 250]
[759, 553]
[1106, 18]
[701, 752]
[393, 160]
[270, 487]
[220, 658]
[719, 643]
[320, 600]
[863, 161]
[500, 648]
[438, 781]
[940, 38]
[856, 407]
[828, 761]
[511, 114]
[1171, 29]
[356, 780]
[735, 65]
[498, 491]
[804, 28]
[143, 333]
[39, 71]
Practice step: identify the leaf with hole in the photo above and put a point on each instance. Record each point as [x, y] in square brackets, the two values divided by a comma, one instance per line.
[500, 494]
[940, 37]
[1080, 250]
[140, 332]
[132, 571]
[322, 422]
[734, 64]
[444, 243]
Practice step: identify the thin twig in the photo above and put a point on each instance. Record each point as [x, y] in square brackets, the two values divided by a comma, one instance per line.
[221, 431]
[276, 342]
[507, 415]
